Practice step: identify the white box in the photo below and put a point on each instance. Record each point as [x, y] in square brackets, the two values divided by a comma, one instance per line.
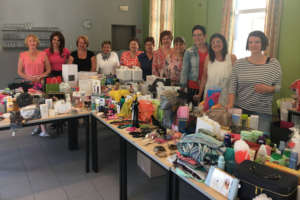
[70, 74]
[150, 168]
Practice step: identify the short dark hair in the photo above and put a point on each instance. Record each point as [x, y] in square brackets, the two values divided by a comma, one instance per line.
[134, 40]
[149, 39]
[199, 27]
[165, 33]
[105, 42]
[212, 55]
[61, 42]
[263, 39]
[179, 40]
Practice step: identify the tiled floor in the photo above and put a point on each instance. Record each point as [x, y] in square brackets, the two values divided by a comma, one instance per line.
[35, 168]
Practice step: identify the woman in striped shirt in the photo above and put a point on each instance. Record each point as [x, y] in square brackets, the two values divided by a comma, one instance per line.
[255, 79]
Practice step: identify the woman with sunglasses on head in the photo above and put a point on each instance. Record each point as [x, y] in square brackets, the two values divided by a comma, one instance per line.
[57, 53]
[217, 68]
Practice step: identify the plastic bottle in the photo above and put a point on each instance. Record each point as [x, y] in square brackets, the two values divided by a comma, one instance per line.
[9, 104]
[221, 162]
[293, 160]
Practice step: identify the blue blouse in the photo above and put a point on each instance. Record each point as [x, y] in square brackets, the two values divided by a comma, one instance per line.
[146, 64]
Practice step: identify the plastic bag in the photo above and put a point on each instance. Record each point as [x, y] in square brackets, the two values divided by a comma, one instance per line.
[212, 98]
[146, 110]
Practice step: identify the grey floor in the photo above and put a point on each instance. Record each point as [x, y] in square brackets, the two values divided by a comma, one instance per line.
[35, 168]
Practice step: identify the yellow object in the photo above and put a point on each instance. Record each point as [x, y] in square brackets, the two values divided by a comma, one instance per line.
[9, 104]
[117, 94]
[126, 109]
[285, 169]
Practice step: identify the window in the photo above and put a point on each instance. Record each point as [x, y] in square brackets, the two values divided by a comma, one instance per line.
[161, 17]
[247, 17]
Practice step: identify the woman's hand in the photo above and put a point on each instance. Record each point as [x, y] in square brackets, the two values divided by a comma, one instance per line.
[263, 89]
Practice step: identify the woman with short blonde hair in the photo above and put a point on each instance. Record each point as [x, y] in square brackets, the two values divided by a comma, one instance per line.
[33, 65]
[84, 58]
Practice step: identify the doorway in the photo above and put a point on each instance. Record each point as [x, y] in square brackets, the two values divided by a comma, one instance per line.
[120, 35]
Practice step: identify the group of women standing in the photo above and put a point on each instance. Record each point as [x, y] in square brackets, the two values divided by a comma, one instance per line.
[248, 83]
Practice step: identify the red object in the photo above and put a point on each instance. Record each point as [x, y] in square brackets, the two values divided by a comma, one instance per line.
[189, 160]
[240, 156]
[195, 84]
[160, 140]
[53, 80]
[296, 86]
[284, 124]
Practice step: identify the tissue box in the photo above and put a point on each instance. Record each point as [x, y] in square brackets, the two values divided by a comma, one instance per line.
[70, 74]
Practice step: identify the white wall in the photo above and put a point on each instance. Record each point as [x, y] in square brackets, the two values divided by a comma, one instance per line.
[67, 15]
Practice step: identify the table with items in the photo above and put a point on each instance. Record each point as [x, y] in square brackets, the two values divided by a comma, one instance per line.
[218, 152]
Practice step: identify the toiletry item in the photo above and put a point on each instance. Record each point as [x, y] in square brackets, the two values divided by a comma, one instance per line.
[221, 162]
[293, 160]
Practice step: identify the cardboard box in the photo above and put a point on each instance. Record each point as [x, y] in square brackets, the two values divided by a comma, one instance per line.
[150, 168]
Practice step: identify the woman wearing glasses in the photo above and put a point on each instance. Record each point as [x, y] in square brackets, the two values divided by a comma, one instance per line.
[193, 64]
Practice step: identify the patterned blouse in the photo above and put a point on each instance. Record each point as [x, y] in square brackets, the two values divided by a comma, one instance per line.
[174, 66]
[128, 60]
[159, 63]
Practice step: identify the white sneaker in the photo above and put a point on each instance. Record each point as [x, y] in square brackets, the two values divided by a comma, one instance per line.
[44, 134]
[36, 130]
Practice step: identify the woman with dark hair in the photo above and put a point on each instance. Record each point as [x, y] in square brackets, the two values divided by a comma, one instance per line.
[174, 61]
[130, 58]
[255, 79]
[107, 60]
[57, 53]
[217, 68]
[193, 63]
[159, 56]
[146, 58]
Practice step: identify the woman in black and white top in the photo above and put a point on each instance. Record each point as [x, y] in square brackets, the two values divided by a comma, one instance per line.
[255, 79]
[107, 60]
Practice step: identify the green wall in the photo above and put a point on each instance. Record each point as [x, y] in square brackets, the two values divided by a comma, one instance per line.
[146, 18]
[187, 15]
[209, 13]
[289, 45]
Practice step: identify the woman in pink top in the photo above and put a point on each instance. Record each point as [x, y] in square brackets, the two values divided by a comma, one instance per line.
[57, 53]
[130, 58]
[33, 65]
[160, 55]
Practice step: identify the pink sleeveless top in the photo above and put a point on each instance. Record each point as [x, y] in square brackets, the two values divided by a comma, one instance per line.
[33, 67]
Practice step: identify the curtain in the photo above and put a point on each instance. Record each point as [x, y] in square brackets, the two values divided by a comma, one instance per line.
[227, 22]
[161, 17]
[272, 26]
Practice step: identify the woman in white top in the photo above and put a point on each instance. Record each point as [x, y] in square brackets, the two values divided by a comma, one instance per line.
[218, 68]
[107, 60]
